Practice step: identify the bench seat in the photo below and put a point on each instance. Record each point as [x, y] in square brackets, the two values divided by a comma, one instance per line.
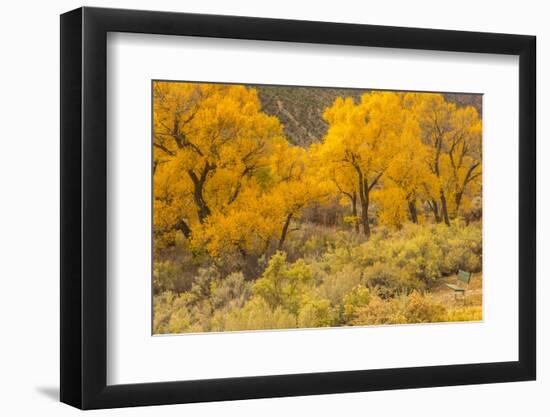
[455, 287]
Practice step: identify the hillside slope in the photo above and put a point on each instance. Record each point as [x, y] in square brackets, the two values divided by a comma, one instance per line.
[300, 109]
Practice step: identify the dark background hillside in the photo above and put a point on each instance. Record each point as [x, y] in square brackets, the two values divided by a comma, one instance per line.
[300, 109]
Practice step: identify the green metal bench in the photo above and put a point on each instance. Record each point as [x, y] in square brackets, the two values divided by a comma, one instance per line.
[464, 277]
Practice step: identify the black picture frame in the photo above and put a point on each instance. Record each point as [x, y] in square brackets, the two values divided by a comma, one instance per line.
[84, 207]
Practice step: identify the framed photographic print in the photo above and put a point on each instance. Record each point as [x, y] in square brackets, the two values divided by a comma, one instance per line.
[256, 208]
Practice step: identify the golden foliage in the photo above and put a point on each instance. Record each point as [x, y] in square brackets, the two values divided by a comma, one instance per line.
[224, 176]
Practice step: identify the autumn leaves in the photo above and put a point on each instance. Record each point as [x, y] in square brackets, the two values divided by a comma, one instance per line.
[227, 180]
[225, 176]
[403, 152]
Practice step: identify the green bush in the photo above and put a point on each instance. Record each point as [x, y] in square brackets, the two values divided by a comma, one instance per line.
[334, 286]
[282, 285]
[256, 314]
[232, 290]
[315, 312]
[165, 276]
[356, 299]
[389, 281]
[171, 314]
[427, 252]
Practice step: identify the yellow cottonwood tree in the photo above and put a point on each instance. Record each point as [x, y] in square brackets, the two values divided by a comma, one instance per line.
[340, 181]
[263, 213]
[297, 183]
[453, 136]
[406, 178]
[246, 227]
[210, 141]
[363, 138]
[465, 156]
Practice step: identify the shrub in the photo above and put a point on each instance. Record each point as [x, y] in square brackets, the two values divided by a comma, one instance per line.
[316, 312]
[256, 315]
[233, 289]
[342, 280]
[335, 286]
[171, 276]
[379, 311]
[415, 308]
[202, 285]
[424, 309]
[171, 314]
[164, 276]
[179, 322]
[311, 241]
[471, 313]
[314, 246]
[427, 252]
[422, 258]
[357, 298]
[390, 281]
[282, 285]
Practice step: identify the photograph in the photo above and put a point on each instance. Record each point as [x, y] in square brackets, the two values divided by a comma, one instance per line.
[285, 207]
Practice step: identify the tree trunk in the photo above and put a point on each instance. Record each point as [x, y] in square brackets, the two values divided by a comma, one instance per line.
[435, 208]
[412, 211]
[285, 231]
[470, 176]
[444, 211]
[183, 227]
[364, 197]
[203, 210]
[365, 219]
[266, 246]
[458, 200]
[354, 211]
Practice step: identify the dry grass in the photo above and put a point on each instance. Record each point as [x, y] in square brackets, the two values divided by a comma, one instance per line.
[461, 308]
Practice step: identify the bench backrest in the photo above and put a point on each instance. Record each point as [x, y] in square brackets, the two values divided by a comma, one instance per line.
[464, 276]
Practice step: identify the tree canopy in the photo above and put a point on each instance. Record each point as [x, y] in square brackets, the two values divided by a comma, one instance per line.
[227, 180]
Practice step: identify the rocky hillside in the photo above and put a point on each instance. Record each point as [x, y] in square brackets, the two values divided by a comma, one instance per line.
[300, 109]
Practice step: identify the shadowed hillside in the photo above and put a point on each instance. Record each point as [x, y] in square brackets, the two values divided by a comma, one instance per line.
[301, 109]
